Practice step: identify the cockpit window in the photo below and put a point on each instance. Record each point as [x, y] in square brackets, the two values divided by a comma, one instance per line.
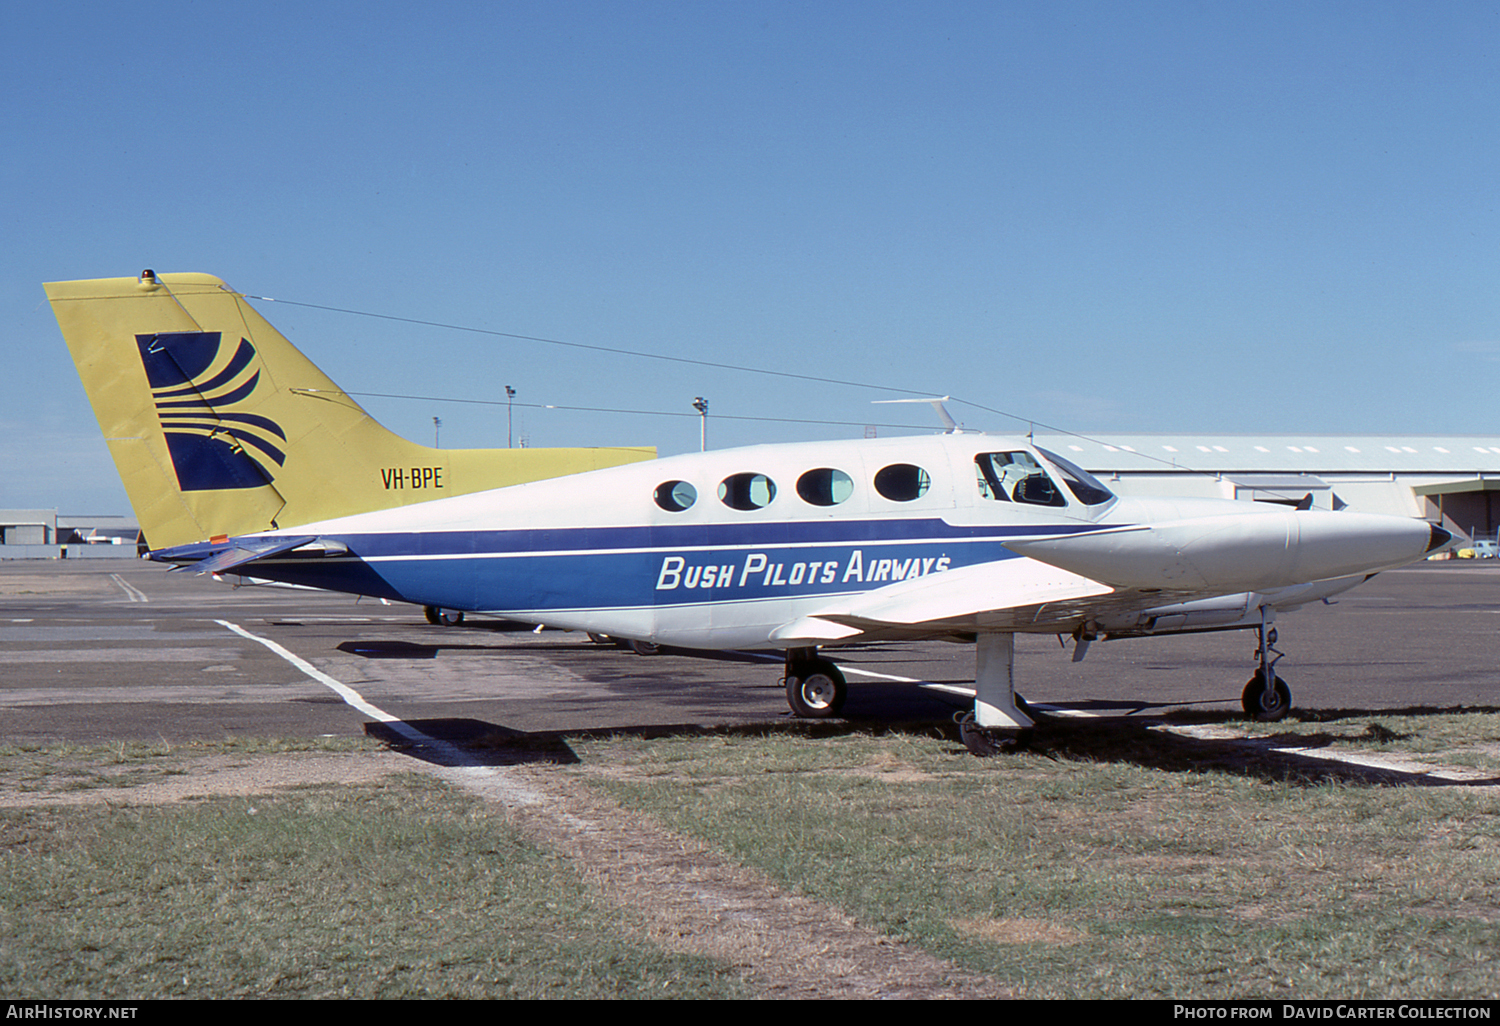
[902, 482]
[675, 496]
[1084, 486]
[1016, 477]
[747, 491]
[825, 486]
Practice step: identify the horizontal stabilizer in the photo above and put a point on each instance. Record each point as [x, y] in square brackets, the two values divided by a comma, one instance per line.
[227, 556]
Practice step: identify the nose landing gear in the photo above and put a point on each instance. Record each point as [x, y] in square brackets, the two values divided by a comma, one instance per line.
[1266, 697]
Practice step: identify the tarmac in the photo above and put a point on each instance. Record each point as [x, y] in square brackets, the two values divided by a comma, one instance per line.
[94, 652]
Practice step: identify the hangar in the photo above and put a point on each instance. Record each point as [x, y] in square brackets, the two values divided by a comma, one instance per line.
[42, 534]
[1452, 480]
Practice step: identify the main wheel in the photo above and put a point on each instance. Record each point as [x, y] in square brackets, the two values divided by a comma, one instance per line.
[816, 690]
[986, 741]
[443, 617]
[645, 648]
[1266, 707]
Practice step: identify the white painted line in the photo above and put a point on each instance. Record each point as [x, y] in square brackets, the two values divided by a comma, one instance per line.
[344, 691]
[132, 592]
[1387, 762]
[463, 770]
[762, 656]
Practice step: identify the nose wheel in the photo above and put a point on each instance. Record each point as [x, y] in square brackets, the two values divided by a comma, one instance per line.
[1263, 704]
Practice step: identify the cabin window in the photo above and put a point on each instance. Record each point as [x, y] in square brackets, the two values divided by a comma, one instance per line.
[1084, 486]
[747, 491]
[902, 482]
[1016, 477]
[825, 486]
[675, 496]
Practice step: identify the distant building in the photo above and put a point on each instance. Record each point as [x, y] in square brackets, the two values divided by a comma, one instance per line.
[42, 534]
[1452, 480]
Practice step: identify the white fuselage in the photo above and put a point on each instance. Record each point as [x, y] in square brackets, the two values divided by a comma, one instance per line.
[719, 549]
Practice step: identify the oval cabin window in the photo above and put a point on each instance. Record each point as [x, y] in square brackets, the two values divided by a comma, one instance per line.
[675, 496]
[825, 486]
[747, 491]
[902, 482]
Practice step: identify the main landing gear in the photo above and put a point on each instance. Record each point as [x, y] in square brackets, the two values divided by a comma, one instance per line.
[999, 721]
[815, 688]
[443, 617]
[1266, 697]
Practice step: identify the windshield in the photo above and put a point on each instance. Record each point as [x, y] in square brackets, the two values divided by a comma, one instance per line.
[1084, 486]
[1015, 477]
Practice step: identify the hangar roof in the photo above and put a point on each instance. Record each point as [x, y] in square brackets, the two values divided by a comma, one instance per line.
[1301, 454]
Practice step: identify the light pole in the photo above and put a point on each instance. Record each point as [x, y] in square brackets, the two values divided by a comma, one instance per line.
[510, 393]
[436, 426]
[701, 405]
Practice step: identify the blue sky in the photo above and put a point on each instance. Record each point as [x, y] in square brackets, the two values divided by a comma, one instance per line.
[1103, 216]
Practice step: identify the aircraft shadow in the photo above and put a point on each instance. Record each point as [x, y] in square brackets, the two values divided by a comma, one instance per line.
[396, 649]
[458, 741]
[469, 742]
[1287, 758]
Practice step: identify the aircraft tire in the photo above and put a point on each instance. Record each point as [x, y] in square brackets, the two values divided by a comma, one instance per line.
[443, 617]
[816, 690]
[645, 648]
[983, 742]
[1265, 708]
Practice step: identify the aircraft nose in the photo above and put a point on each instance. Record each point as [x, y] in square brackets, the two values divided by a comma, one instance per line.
[1439, 538]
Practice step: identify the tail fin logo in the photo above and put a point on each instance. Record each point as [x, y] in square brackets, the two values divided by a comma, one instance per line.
[196, 389]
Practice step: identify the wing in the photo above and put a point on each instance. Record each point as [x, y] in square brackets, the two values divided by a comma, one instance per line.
[1017, 594]
[1112, 576]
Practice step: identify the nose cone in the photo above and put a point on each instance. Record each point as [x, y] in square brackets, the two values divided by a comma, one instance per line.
[1438, 539]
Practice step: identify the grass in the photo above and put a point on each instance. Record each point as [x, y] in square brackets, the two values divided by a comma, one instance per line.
[1111, 864]
[1106, 860]
[403, 889]
[73, 767]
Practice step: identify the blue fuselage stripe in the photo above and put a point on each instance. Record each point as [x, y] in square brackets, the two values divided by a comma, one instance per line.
[672, 536]
[642, 567]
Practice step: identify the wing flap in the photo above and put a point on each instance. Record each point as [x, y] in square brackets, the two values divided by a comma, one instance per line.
[1005, 594]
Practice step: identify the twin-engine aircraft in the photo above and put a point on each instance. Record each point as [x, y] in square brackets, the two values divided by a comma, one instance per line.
[800, 547]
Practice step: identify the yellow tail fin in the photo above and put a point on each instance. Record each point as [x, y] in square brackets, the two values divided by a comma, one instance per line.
[218, 425]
